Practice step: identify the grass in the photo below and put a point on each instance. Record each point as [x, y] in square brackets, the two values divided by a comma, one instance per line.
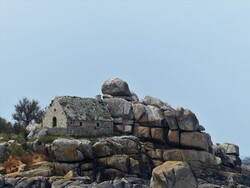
[17, 150]
[5, 137]
[18, 147]
[49, 138]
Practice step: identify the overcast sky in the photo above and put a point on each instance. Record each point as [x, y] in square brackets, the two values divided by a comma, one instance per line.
[194, 54]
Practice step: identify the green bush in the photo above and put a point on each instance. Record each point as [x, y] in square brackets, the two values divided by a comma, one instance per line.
[48, 138]
[5, 127]
[19, 138]
[5, 137]
[19, 129]
[16, 150]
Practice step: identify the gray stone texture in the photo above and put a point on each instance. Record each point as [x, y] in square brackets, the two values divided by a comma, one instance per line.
[153, 117]
[195, 140]
[230, 148]
[66, 150]
[171, 118]
[119, 108]
[173, 174]
[195, 158]
[116, 87]
[174, 138]
[148, 100]
[187, 120]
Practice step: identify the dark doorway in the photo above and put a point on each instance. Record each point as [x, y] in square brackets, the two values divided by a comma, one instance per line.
[54, 122]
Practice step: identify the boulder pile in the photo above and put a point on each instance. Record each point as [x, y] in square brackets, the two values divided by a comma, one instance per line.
[155, 146]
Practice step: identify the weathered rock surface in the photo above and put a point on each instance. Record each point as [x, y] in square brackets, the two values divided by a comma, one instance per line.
[37, 146]
[187, 120]
[118, 162]
[196, 140]
[173, 174]
[174, 138]
[116, 87]
[170, 143]
[153, 117]
[148, 100]
[119, 108]
[171, 118]
[229, 154]
[36, 131]
[139, 111]
[66, 150]
[230, 149]
[196, 159]
[34, 182]
[117, 145]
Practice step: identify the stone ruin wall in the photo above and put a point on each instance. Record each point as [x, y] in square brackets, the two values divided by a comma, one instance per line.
[66, 127]
[55, 110]
[95, 128]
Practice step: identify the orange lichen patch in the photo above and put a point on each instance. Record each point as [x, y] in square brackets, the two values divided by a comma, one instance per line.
[22, 163]
[13, 165]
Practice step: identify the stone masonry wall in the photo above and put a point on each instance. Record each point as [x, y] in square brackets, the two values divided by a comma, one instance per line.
[55, 111]
[95, 128]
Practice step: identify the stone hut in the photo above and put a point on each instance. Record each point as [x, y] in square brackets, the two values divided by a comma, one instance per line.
[76, 116]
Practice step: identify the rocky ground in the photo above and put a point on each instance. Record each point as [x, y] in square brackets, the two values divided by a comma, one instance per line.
[156, 146]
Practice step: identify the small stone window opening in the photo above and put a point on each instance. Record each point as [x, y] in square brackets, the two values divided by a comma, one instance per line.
[54, 110]
[54, 124]
[80, 123]
[97, 124]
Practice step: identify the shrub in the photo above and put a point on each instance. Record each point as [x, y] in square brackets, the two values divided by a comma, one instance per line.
[5, 137]
[48, 138]
[5, 127]
[18, 138]
[19, 129]
[16, 150]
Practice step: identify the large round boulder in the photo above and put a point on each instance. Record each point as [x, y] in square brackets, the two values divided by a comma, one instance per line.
[173, 174]
[116, 87]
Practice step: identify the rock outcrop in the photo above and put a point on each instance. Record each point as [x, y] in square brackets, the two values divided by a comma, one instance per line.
[153, 141]
[229, 153]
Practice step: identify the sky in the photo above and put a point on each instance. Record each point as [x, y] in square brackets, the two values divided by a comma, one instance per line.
[188, 53]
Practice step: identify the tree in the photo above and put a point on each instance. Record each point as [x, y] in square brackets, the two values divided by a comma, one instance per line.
[27, 112]
[5, 127]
